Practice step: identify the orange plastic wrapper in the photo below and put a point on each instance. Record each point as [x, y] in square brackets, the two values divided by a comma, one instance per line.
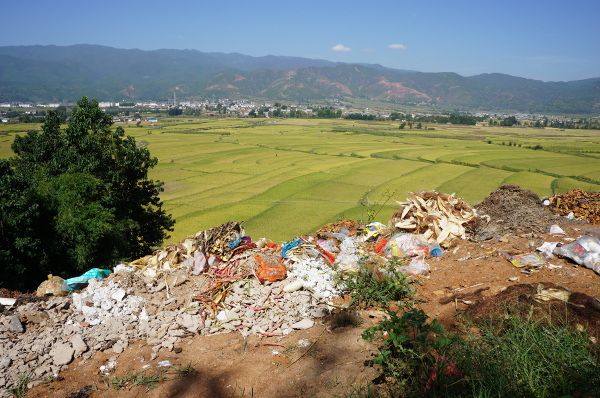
[380, 245]
[269, 272]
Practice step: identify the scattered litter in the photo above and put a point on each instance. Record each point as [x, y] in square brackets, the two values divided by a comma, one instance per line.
[7, 302]
[347, 259]
[212, 245]
[123, 268]
[552, 294]
[303, 324]
[439, 217]
[164, 364]
[528, 261]
[417, 266]
[406, 245]
[373, 230]
[556, 230]
[236, 285]
[303, 343]
[108, 367]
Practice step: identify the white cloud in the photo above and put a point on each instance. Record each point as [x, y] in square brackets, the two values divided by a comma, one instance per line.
[341, 48]
[397, 46]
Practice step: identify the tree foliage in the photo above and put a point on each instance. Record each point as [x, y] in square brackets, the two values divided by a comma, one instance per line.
[76, 198]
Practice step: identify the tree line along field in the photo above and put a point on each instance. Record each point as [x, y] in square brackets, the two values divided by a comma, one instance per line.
[285, 177]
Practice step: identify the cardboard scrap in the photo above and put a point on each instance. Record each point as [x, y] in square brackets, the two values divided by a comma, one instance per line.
[439, 217]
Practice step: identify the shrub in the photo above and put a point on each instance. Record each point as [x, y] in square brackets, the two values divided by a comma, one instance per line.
[369, 286]
[510, 357]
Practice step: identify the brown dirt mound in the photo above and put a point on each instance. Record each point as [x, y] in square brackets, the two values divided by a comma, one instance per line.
[579, 311]
[512, 210]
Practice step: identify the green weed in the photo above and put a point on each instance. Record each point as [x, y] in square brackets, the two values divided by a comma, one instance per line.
[20, 389]
[137, 379]
[376, 286]
[185, 370]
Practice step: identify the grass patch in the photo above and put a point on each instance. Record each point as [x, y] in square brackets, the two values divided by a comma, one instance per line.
[185, 370]
[509, 357]
[521, 357]
[129, 380]
[20, 389]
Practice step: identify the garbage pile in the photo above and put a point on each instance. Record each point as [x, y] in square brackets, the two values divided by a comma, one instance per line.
[510, 210]
[578, 204]
[438, 216]
[221, 280]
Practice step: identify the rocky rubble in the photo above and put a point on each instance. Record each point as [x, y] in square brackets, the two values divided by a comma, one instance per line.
[42, 338]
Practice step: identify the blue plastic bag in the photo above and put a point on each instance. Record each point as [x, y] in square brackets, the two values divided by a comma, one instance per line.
[78, 281]
[289, 246]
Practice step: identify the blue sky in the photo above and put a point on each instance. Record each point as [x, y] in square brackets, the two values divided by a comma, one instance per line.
[548, 40]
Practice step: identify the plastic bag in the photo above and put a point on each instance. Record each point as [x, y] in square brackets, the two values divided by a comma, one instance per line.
[584, 251]
[347, 259]
[547, 248]
[199, 263]
[556, 230]
[53, 286]
[290, 246]
[406, 245]
[269, 271]
[417, 266]
[78, 281]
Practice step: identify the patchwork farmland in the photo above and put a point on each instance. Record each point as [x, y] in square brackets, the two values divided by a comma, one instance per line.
[285, 177]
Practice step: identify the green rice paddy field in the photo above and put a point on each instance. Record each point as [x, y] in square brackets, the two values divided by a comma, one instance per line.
[287, 177]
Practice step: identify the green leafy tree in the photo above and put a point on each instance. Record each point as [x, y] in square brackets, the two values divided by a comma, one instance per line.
[61, 112]
[76, 198]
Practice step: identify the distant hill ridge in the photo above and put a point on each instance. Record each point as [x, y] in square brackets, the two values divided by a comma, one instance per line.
[64, 73]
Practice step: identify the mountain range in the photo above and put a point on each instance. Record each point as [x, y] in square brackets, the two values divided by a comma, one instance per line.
[65, 73]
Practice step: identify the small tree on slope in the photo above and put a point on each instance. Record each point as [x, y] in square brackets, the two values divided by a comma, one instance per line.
[76, 198]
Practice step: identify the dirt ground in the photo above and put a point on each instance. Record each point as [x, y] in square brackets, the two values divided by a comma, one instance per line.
[332, 362]
[227, 366]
